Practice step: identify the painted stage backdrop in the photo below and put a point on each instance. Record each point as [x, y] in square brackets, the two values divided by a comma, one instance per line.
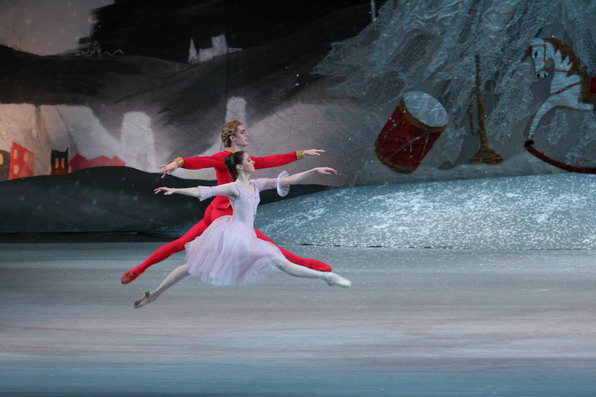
[395, 90]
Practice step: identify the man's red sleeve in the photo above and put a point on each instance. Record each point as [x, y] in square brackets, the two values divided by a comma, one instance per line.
[277, 160]
[200, 162]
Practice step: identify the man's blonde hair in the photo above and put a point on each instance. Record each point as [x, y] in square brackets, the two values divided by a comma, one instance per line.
[229, 129]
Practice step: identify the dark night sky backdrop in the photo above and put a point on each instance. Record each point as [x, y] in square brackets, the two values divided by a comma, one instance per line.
[163, 29]
[155, 28]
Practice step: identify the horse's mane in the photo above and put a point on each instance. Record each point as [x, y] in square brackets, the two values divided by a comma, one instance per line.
[566, 52]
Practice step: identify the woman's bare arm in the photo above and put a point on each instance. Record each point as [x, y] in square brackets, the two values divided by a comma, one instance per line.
[299, 177]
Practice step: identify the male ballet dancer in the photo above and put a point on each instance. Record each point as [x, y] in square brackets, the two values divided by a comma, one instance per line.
[235, 138]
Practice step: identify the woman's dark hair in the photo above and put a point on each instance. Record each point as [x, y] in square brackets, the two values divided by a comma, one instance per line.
[232, 161]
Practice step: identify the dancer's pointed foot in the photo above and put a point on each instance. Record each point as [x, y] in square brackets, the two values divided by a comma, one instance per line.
[145, 299]
[336, 279]
[129, 277]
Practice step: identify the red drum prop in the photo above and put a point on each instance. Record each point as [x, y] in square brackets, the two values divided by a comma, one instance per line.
[411, 131]
[589, 91]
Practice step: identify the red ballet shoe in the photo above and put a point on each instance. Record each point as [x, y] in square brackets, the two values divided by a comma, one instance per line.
[128, 277]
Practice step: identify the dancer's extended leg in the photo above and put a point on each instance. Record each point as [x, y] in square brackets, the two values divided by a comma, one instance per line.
[309, 263]
[301, 271]
[164, 252]
[176, 275]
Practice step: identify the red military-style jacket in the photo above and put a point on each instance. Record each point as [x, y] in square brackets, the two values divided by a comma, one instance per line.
[217, 161]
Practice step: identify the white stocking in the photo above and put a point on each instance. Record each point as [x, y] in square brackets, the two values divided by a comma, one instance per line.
[176, 275]
[301, 271]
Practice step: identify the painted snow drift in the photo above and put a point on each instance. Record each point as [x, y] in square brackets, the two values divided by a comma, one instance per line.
[529, 212]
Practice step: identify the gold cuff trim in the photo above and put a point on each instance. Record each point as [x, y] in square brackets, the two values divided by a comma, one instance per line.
[179, 161]
[299, 154]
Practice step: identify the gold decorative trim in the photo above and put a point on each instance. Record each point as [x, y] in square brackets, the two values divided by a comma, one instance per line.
[388, 163]
[417, 123]
[387, 159]
[179, 161]
[229, 149]
[299, 154]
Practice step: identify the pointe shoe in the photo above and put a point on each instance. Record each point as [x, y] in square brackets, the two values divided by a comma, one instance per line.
[129, 277]
[336, 279]
[145, 299]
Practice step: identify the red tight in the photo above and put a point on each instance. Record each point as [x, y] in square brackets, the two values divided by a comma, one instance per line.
[211, 214]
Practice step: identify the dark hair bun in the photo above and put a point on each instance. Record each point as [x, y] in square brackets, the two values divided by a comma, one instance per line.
[232, 161]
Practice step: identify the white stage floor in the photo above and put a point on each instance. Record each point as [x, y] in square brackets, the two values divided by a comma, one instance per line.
[436, 322]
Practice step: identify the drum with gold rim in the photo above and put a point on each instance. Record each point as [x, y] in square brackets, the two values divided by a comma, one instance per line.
[411, 131]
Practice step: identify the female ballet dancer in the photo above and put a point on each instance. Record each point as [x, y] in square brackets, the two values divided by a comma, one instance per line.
[229, 252]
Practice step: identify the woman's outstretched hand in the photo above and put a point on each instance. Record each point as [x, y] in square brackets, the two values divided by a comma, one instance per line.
[167, 169]
[297, 178]
[313, 152]
[325, 170]
[166, 190]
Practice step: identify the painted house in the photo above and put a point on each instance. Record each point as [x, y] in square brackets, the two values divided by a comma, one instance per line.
[59, 162]
[4, 165]
[79, 162]
[22, 162]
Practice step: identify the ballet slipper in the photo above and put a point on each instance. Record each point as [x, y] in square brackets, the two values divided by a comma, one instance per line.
[129, 277]
[336, 279]
[145, 299]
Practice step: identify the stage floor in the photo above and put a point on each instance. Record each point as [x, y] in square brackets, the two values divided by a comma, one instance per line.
[416, 322]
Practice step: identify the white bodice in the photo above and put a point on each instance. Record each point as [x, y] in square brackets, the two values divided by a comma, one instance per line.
[245, 206]
[244, 203]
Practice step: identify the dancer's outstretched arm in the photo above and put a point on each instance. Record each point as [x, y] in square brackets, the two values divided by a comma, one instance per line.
[299, 177]
[271, 183]
[202, 192]
[217, 160]
[194, 163]
[189, 191]
[277, 160]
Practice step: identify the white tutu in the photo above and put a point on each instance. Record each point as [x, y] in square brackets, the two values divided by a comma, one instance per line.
[229, 252]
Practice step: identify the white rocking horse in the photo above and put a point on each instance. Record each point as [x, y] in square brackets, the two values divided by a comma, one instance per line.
[565, 89]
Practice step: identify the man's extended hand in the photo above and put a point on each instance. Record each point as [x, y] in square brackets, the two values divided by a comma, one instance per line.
[167, 169]
[314, 152]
